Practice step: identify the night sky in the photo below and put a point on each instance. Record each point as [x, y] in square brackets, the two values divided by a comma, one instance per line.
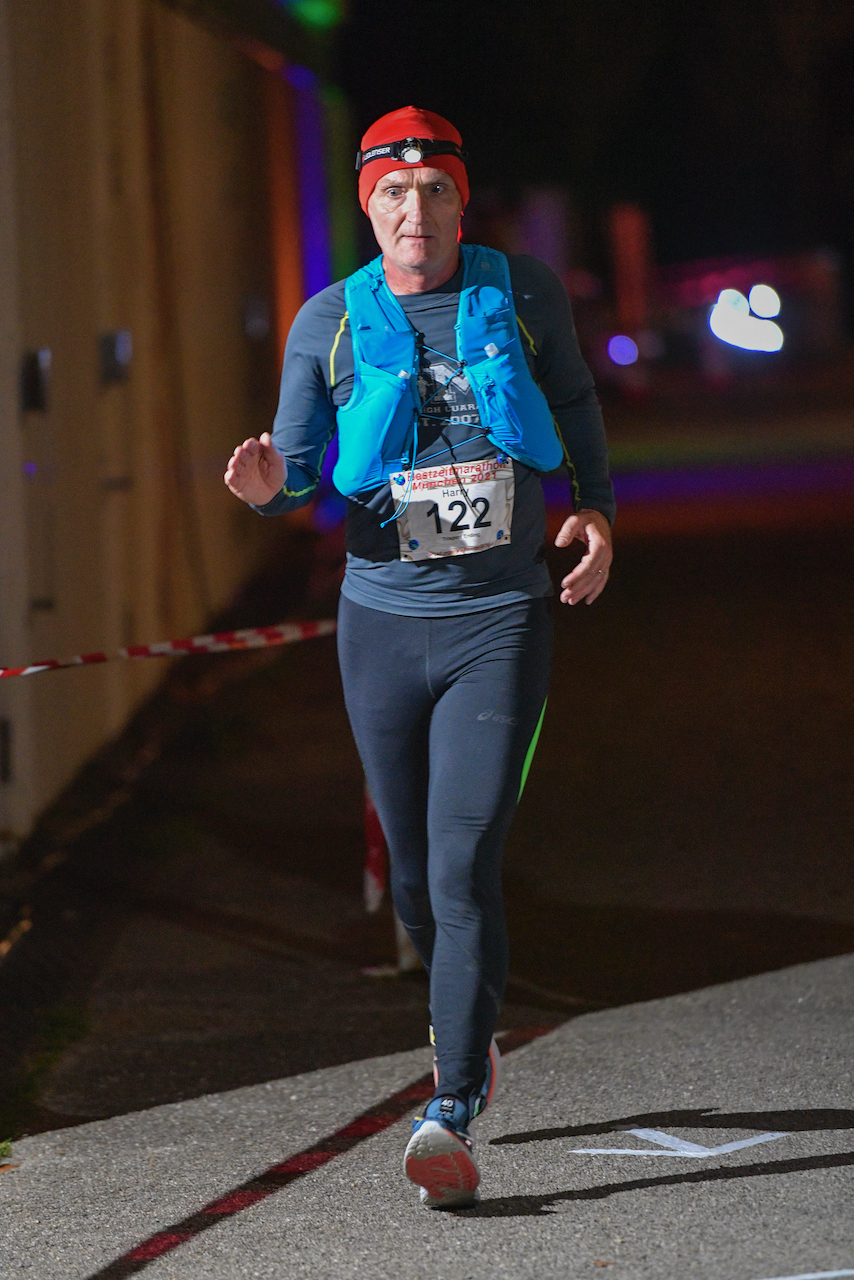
[729, 120]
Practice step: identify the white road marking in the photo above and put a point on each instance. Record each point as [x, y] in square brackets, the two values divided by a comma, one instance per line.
[667, 1140]
[677, 1147]
[816, 1275]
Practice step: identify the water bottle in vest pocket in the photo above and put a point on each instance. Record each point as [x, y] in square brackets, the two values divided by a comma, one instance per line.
[498, 412]
[517, 415]
[512, 407]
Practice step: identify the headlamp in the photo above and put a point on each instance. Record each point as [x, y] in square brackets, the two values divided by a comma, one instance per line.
[410, 151]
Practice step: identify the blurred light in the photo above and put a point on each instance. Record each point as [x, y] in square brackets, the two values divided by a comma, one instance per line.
[731, 321]
[124, 347]
[764, 301]
[315, 13]
[310, 122]
[732, 298]
[30, 469]
[622, 350]
[115, 350]
[329, 513]
[301, 78]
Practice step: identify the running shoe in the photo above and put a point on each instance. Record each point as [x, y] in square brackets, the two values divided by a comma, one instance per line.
[490, 1084]
[439, 1157]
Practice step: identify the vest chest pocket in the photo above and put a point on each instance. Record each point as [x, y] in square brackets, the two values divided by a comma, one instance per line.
[386, 349]
[384, 402]
[494, 380]
[494, 326]
[515, 410]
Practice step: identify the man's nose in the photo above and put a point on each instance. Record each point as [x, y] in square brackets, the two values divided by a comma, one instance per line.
[413, 204]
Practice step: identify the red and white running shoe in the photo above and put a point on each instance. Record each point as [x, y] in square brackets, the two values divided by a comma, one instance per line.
[439, 1157]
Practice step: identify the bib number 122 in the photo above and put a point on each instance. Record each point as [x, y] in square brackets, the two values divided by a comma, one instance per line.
[479, 506]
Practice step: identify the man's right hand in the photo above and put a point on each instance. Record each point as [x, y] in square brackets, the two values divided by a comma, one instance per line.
[256, 471]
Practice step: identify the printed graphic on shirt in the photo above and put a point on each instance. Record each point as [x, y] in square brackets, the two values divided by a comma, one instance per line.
[446, 395]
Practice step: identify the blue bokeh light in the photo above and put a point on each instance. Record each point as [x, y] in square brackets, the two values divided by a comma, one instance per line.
[622, 350]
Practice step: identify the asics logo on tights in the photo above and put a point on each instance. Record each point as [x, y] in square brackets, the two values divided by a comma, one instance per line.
[497, 717]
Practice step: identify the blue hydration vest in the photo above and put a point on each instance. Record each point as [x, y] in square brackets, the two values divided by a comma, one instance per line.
[375, 426]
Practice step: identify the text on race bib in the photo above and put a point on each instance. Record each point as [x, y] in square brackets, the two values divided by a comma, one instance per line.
[454, 510]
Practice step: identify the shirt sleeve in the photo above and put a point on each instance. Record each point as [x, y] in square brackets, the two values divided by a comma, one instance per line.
[305, 420]
[567, 384]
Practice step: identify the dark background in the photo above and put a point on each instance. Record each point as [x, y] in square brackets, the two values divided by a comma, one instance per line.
[190, 909]
[731, 122]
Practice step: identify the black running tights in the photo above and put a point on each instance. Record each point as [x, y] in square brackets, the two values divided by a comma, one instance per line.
[445, 713]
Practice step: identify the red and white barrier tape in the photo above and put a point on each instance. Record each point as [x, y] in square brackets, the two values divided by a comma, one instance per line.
[376, 858]
[218, 642]
[376, 861]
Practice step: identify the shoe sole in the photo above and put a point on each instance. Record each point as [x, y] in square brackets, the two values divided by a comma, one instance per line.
[442, 1165]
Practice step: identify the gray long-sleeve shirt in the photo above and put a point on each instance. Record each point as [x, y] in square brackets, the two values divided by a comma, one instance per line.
[318, 377]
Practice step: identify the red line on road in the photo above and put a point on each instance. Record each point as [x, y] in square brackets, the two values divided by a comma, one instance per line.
[374, 1120]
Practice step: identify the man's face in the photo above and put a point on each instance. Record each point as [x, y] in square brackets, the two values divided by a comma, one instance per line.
[415, 214]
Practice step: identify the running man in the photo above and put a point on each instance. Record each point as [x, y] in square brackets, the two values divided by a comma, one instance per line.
[453, 377]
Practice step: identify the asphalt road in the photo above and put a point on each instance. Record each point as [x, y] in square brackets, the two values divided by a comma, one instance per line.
[708, 1135]
[197, 928]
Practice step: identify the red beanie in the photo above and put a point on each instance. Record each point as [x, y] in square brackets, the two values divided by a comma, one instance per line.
[411, 122]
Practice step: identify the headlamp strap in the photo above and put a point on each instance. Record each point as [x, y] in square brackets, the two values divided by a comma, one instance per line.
[409, 150]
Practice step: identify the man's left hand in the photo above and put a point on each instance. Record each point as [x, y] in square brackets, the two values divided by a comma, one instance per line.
[589, 576]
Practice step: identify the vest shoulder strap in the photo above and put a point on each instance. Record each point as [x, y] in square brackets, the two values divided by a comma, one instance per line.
[487, 322]
[486, 267]
[374, 313]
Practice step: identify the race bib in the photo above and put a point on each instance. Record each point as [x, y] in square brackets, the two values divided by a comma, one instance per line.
[454, 510]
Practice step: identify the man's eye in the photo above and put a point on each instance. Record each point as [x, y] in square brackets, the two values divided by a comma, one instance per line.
[394, 192]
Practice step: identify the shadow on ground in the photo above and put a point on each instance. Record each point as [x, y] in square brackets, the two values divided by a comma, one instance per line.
[540, 1205]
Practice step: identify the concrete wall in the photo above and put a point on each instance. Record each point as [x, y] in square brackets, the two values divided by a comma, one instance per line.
[133, 196]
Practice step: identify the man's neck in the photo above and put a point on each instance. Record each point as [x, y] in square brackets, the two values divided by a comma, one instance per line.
[420, 279]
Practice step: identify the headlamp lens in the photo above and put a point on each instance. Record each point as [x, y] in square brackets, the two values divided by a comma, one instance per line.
[410, 151]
